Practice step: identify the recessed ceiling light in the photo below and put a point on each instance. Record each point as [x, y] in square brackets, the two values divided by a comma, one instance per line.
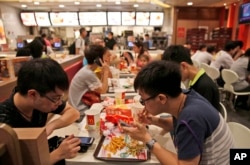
[62, 6]
[23, 6]
[136, 5]
[190, 3]
[98, 5]
[225, 4]
[36, 3]
[77, 3]
[118, 2]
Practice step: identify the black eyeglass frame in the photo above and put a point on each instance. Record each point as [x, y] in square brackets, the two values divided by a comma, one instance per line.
[142, 101]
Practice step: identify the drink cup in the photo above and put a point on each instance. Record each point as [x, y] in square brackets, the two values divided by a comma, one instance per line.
[93, 119]
[119, 96]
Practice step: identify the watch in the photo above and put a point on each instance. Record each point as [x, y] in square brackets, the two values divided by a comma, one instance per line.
[150, 144]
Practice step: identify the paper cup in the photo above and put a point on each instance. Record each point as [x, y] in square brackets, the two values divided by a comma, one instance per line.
[120, 96]
[93, 119]
[136, 109]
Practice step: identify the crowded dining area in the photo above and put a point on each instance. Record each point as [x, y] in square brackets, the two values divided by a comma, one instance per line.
[82, 84]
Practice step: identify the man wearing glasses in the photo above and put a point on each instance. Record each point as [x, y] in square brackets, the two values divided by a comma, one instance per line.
[40, 88]
[199, 132]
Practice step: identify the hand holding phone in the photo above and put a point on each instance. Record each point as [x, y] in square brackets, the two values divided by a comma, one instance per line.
[124, 124]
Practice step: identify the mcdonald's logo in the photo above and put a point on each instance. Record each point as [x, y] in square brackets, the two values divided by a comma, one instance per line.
[90, 120]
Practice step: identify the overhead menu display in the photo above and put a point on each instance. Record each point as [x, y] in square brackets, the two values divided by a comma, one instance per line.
[128, 18]
[114, 18]
[156, 18]
[64, 18]
[28, 19]
[142, 18]
[93, 18]
[42, 19]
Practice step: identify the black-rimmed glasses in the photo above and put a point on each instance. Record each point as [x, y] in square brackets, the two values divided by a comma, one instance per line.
[142, 101]
[55, 101]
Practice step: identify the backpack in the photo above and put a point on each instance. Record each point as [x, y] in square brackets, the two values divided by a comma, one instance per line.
[72, 48]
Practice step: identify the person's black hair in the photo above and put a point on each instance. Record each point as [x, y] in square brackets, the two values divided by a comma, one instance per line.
[82, 30]
[23, 52]
[202, 46]
[230, 45]
[239, 43]
[43, 75]
[159, 77]
[177, 53]
[111, 33]
[140, 44]
[93, 52]
[36, 48]
[43, 35]
[146, 35]
[211, 49]
[126, 59]
[247, 52]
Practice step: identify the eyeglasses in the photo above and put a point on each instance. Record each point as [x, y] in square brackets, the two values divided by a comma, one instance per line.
[143, 101]
[55, 101]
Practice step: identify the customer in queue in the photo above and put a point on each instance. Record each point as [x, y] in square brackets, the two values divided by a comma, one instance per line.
[198, 79]
[199, 132]
[41, 84]
[86, 84]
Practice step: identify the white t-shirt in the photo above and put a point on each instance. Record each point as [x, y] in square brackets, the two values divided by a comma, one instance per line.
[80, 43]
[202, 57]
[223, 59]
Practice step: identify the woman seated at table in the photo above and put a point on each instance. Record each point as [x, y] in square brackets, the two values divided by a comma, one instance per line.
[139, 51]
[128, 57]
[86, 87]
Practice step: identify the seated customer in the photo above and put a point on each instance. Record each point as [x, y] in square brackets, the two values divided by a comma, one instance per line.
[199, 133]
[86, 81]
[41, 84]
[198, 79]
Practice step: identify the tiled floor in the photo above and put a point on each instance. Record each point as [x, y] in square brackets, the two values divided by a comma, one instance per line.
[238, 115]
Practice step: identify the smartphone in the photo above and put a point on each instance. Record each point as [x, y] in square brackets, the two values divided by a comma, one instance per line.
[124, 124]
[86, 141]
[97, 61]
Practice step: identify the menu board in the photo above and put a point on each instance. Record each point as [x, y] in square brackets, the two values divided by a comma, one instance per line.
[142, 18]
[93, 18]
[156, 18]
[28, 19]
[128, 18]
[64, 18]
[42, 19]
[114, 18]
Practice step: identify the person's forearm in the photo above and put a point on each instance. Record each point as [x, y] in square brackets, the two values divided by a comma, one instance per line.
[55, 156]
[165, 123]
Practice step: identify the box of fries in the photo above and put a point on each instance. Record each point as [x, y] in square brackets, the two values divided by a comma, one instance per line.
[122, 109]
[121, 147]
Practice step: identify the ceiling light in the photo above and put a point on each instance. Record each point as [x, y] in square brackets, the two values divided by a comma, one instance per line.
[136, 5]
[77, 3]
[62, 6]
[190, 3]
[36, 3]
[118, 2]
[225, 4]
[98, 5]
[23, 6]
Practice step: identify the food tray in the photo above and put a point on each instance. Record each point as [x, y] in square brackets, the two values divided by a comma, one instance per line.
[122, 155]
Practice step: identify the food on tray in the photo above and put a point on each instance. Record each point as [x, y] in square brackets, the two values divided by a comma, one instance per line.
[135, 147]
[116, 143]
[121, 109]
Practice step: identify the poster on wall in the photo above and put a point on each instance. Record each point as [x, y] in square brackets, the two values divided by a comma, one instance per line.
[2, 33]
[114, 18]
[28, 19]
[181, 32]
[93, 18]
[42, 19]
[142, 18]
[64, 18]
[156, 18]
[128, 18]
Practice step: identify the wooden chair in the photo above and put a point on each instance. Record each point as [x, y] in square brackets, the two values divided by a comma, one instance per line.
[10, 152]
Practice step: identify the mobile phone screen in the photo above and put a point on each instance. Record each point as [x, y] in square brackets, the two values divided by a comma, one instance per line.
[86, 140]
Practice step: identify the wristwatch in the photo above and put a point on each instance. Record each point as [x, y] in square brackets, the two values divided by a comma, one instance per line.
[150, 144]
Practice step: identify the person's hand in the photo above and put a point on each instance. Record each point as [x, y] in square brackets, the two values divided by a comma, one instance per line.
[69, 147]
[138, 132]
[105, 66]
[147, 118]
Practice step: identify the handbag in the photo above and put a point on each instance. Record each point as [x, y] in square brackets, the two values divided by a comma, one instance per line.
[90, 98]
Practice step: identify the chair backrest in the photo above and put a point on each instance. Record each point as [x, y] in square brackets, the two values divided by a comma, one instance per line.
[241, 134]
[205, 66]
[10, 147]
[223, 111]
[213, 72]
[229, 77]
[73, 69]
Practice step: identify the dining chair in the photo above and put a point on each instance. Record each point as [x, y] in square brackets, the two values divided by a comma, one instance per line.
[196, 63]
[240, 134]
[205, 66]
[230, 77]
[223, 111]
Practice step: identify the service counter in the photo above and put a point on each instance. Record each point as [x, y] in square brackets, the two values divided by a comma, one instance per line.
[7, 84]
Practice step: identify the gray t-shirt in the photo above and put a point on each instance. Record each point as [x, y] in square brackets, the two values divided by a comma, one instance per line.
[84, 80]
[80, 43]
